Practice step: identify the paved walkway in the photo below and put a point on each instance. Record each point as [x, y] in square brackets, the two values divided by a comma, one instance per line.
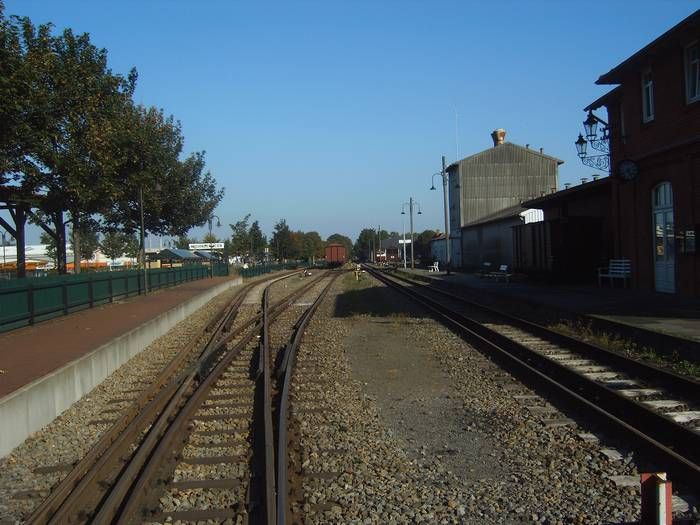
[664, 313]
[31, 352]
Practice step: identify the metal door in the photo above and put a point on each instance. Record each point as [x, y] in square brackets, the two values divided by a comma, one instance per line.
[664, 239]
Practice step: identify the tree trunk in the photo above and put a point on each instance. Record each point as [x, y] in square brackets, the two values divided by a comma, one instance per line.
[61, 259]
[20, 221]
[76, 242]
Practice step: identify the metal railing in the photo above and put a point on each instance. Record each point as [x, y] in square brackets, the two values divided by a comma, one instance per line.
[29, 300]
[260, 269]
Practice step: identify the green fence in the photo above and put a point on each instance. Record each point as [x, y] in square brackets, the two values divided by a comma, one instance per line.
[26, 301]
[267, 268]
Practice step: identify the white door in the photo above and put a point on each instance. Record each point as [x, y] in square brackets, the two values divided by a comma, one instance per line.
[664, 245]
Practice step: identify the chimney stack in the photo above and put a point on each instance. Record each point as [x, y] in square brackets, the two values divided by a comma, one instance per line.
[498, 136]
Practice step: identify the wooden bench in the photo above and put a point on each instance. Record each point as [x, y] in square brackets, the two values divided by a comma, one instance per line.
[616, 269]
[485, 270]
[502, 273]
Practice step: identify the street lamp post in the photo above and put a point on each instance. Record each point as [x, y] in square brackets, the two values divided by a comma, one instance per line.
[218, 225]
[411, 203]
[404, 243]
[142, 254]
[218, 222]
[599, 142]
[445, 181]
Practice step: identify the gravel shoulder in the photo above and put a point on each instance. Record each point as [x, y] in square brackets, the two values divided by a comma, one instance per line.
[434, 432]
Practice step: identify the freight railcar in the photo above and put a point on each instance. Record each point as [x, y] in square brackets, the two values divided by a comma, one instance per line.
[336, 255]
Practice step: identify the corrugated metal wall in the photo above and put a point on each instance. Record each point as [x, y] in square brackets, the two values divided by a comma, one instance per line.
[500, 177]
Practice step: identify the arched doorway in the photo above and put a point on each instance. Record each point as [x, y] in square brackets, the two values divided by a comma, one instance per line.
[664, 239]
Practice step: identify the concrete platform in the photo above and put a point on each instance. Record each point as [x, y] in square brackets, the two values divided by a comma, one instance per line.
[45, 368]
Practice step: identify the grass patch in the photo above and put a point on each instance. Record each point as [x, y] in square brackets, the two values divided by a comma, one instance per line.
[620, 345]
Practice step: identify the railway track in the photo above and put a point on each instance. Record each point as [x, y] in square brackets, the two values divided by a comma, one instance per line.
[653, 409]
[106, 484]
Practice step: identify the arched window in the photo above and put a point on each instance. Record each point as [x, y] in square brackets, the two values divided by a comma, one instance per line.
[663, 196]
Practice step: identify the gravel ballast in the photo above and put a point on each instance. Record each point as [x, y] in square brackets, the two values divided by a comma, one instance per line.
[405, 423]
[23, 480]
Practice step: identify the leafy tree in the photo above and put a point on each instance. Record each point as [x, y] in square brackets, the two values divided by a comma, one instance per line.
[257, 239]
[365, 243]
[239, 236]
[51, 248]
[210, 238]
[88, 241]
[25, 51]
[148, 145]
[183, 242]
[311, 245]
[282, 242]
[87, 100]
[192, 195]
[337, 238]
[113, 244]
[131, 247]
[421, 247]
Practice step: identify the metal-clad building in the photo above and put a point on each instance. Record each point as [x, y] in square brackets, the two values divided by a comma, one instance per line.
[493, 180]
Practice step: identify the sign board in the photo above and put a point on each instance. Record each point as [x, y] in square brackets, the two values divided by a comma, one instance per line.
[407, 241]
[207, 246]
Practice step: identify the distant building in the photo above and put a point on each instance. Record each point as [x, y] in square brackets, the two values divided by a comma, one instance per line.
[490, 239]
[493, 180]
[654, 128]
[571, 238]
[438, 249]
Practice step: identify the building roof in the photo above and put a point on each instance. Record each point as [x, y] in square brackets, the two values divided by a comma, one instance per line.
[204, 254]
[500, 215]
[438, 237]
[686, 29]
[604, 100]
[176, 253]
[505, 145]
[553, 199]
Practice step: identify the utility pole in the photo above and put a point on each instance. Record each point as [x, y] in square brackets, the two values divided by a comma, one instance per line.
[379, 235]
[410, 205]
[404, 243]
[410, 211]
[445, 181]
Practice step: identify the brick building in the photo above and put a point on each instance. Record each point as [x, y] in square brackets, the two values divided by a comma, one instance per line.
[654, 130]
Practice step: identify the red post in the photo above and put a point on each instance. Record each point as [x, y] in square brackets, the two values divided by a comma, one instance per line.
[657, 503]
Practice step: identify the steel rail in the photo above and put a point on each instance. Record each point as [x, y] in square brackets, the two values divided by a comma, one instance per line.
[684, 440]
[135, 483]
[130, 423]
[285, 371]
[669, 446]
[268, 458]
[64, 499]
[681, 385]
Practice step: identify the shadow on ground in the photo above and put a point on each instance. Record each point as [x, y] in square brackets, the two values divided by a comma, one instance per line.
[361, 298]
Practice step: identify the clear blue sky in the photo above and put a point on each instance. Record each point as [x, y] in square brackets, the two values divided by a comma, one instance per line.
[331, 114]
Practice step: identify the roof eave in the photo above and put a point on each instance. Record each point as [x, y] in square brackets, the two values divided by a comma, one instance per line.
[615, 75]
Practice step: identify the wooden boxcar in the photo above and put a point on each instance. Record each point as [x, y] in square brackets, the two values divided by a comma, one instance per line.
[336, 255]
